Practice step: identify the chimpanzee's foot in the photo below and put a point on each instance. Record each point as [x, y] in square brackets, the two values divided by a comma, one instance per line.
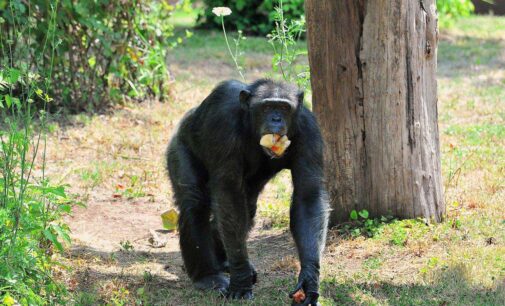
[241, 284]
[225, 267]
[217, 282]
[240, 294]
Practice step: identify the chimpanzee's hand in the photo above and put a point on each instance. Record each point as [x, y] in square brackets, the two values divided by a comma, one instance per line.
[308, 280]
[241, 282]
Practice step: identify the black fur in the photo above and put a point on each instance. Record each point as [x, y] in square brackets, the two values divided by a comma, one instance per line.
[218, 168]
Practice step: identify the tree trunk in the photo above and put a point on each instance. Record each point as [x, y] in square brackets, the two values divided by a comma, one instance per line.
[373, 68]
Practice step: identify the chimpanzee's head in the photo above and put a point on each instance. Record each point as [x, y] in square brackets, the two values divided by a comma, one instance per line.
[272, 106]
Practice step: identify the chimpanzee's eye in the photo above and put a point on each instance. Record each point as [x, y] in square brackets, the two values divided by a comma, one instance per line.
[285, 108]
[267, 108]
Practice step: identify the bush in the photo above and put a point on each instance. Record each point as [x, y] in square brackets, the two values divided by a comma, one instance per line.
[252, 17]
[104, 51]
[448, 10]
[31, 227]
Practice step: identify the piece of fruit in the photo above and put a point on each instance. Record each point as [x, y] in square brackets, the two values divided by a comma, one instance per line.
[268, 140]
[275, 143]
[277, 150]
[299, 296]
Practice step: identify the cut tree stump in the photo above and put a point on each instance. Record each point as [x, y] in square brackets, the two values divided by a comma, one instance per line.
[373, 72]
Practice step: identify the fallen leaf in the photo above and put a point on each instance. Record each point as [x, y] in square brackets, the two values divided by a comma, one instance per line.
[169, 219]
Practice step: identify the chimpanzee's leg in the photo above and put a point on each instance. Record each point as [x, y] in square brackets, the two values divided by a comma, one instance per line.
[192, 199]
[233, 223]
[219, 247]
[221, 253]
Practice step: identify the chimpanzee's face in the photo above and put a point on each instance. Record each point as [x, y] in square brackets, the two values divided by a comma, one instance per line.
[272, 116]
[272, 107]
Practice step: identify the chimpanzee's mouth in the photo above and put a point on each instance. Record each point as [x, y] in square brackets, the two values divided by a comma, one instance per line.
[274, 145]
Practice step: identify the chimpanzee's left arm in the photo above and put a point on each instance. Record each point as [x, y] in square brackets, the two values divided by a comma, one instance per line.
[309, 213]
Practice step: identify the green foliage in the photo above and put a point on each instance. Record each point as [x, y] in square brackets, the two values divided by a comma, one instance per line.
[396, 232]
[284, 40]
[362, 225]
[448, 10]
[31, 229]
[103, 51]
[252, 17]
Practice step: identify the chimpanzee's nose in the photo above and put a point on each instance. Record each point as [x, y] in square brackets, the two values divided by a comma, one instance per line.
[276, 119]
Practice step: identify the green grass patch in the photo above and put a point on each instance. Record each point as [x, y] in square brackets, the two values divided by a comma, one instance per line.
[207, 45]
[98, 172]
[479, 26]
[478, 135]
[470, 50]
[275, 209]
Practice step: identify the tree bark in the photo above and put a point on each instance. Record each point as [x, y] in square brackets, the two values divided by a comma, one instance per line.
[373, 74]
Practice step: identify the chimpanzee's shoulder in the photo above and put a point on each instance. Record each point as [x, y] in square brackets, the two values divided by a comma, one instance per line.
[226, 90]
[307, 139]
[307, 121]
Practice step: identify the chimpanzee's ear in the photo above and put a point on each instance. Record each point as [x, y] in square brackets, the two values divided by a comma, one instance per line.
[300, 97]
[245, 96]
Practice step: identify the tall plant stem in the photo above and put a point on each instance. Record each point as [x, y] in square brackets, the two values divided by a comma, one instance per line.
[229, 50]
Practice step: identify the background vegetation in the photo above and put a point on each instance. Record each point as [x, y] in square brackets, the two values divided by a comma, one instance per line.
[103, 52]
[258, 17]
[31, 229]
[252, 17]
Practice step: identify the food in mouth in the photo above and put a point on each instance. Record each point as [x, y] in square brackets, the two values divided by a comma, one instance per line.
[275, 143]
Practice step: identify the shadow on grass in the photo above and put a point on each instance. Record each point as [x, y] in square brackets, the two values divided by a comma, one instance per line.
[112, 277]
[450, 286]
[461, 55]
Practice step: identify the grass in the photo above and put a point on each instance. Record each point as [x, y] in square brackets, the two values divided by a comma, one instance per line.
[458, 262]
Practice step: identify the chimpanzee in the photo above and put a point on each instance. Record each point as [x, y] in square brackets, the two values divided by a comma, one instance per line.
[218, 168]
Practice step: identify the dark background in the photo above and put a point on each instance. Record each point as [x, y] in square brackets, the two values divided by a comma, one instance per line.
[497, 8]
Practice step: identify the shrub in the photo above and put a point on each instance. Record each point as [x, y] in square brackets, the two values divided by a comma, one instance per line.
[104, 51]
[284, 39]
[31, 228]
[252, 17]
[448, 10]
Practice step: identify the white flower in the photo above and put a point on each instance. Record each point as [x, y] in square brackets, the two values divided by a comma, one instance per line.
[221, 11]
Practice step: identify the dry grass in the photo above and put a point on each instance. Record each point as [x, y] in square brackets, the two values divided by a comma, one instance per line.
[114, 164]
